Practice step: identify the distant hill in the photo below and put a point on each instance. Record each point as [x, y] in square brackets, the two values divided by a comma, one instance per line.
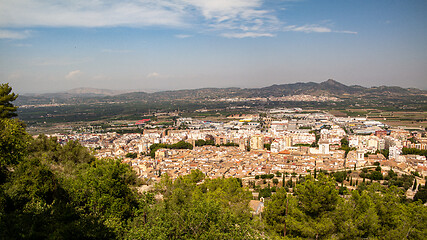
[330, 88]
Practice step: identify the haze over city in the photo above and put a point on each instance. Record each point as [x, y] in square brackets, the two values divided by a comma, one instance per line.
[49, 46]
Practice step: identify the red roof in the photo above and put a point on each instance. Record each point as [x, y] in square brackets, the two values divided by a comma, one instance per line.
[142, 121]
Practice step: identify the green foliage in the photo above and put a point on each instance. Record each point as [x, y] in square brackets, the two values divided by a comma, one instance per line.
[347, 149]
[74, 153]
[264, 193]
[302, 145]
[32, 183]
[406, 151]
[415, 173]
[13, 142]
[230, 144]
[384, 152]
[7, 110]
[178, 145]
[404, 181]
[199, 143]
[131, 155]
[315, 197]
[374, 213]
[214, 209]
[343, 190]
[344, 142]
[376, 175]
[390, 174]
[340, 176]
[275, 211]
[267, 146]
[421, 194]
[103, 191]
[265, 176]
[35, 206]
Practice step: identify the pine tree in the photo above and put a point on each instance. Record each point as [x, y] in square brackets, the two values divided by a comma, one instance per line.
[7, 110]
[283, 180]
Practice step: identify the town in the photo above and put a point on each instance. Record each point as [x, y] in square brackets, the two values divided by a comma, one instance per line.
[280, 141]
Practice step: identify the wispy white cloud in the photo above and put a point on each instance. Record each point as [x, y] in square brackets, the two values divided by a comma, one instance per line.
[153, 75]
[307, 29]
[313, 28]
[247, 34]
[228, 18]
[348, 32]
[217, 15]
[89, 13]
[9, 34]
[73, 74]
[242, 17]
[183, 36]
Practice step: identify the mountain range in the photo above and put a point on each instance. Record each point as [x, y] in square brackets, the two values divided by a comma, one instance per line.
[329, 88]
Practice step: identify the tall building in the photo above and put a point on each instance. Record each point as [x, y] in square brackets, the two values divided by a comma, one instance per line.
[257, 142]
[280, 144]
[324, 146]
[394, 152]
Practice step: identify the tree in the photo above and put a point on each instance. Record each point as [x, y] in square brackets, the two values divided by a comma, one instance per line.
[340, 176]
[344, 142]
[264, 192]
[37, 207]
[275, 211]
[73, 152]
[13, 141]
[192, 209]
[7, 110]
[421, 194]
[316, 197]
[131, 155]
[103, 190]
[376, 175]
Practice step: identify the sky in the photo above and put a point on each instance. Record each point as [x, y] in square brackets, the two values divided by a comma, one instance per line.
[153, 45]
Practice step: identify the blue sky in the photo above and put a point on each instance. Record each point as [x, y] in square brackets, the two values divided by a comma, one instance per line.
[49, 45]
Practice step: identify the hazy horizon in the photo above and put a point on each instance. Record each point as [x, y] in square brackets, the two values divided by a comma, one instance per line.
[162, 90]
[163, 45]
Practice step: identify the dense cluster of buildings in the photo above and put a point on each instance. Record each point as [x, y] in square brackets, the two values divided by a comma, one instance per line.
[284, 141]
